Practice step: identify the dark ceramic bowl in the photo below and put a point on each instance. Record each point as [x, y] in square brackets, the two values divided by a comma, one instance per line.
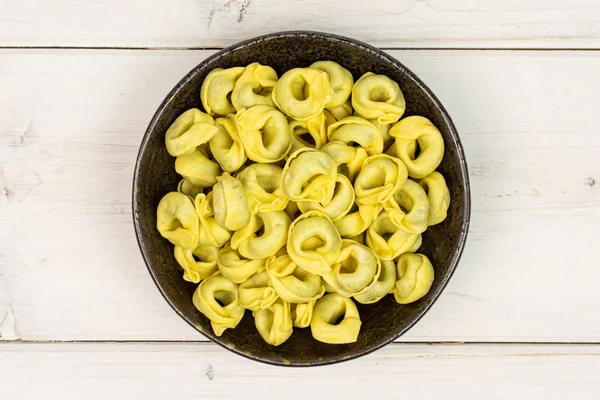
[155, 176]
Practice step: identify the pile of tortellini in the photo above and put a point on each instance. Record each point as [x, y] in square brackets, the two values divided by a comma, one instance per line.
[302, 194]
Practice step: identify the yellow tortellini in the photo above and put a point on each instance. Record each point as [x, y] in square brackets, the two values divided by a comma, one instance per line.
[409, 208]
[197, 264]
[230, 203]
[190, 130]
[255, 293]
[327, 311]
[226, 146]
[263, 236]
[262, 187]
[292, 282]
[380, 178]
[384, 284]
[354, 271]
[357, 130]
[438, 195]
[302, 93]
[217, 298]
[197, 168]
[340, 79]
[216, 89]
[274, 323]
[254, 87]
[314, 242]
[286, 206]
[309, 175]
[340, 204]
[235, 267]
[415, 277]
[265, 133]
[378, 97]
[413, 131]
[387, 240]
[177, 221]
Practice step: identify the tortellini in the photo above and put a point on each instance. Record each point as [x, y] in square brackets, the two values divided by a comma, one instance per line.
[286, 206]
[254, 87]
[377, 96]
[314, 242]
[190, 130]
[438, 195]
[230, 203]
[177, 221]
[354, 271]
[302, 93]
[217, 298]
[253, 244]
[309, 175]
[327, 311]
[418, 130]
[264, 131]
[415, 277]
[216, 89]
[226, 146]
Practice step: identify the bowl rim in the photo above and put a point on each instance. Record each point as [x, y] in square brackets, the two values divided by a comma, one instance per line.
[377, 52]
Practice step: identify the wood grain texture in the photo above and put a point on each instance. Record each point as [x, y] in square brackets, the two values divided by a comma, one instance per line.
[215, 23]
[71, 123]
[205, 371]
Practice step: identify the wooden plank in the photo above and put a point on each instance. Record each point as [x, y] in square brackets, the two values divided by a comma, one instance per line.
[71, 122]
[192, 371]
[215, 23]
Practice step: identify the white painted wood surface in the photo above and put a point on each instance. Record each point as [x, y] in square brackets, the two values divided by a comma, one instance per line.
[215, 23]
[204, 371]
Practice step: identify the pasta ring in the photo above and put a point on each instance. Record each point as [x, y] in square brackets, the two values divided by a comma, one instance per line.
[339, 205]
[410, 131]
[358, 130]
[216, 89]
[355, 270]
[265, 133]
[230, 204]
[177, 221]
[379, 179]
[292, 282]
[309, 175]
[409, 208]
[208, 297]
[197, 169]
[340, 79]
[262, 185]
[378, 97]
[254, 87]
[226, 146]
[415, 277]
[399, 242]
[274, 225]
[438, 195]
[301, 93]
[195, 271]
[235, 267]
[256, 293]
[210, 233]
[274, 323]
[313, 242]
[385, 283]
[327, 311]
[190, 130]
[349, 160]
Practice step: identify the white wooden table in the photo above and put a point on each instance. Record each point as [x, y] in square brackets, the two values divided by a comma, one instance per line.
[79, 315]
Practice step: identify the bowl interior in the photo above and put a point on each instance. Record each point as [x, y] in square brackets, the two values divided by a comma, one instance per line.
[155, 176]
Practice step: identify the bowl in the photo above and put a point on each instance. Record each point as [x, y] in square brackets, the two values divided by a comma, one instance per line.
[155, 175]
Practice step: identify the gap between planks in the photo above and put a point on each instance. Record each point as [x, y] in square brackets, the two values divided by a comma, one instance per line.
[159, 48]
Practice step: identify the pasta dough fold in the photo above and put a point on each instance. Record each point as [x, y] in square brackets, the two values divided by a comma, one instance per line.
[197, 169]
[235, 267]
[339, 205]
[209, 231]
[438, 196]
[384, 285]
[196, 270]
[216, 89]
[357, 220]
[387, 240]
[254, 87]
[309, 175]
[415, 277]
[253, 244]
[230, 204]
[341, 112]
[255, 293]
[378, 97]
[357, 130]
[262, 186]
[274, 323]
[302, 313]
[291, 282]
[301, 93]
[190, 130]
[327, 311]
[348, 159]
[177, 221]
[379, 179]
[340, 79]
[311, 133]
[265, 133]
[226, 146]
[409, 208]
